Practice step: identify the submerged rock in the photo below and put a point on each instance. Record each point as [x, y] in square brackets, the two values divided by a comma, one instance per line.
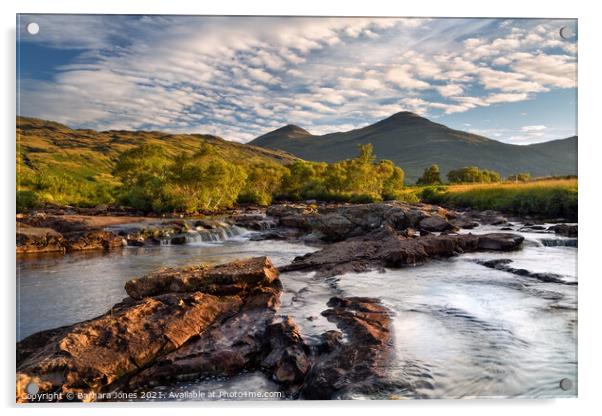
[565, 230]
[360, 363]
[388, 248]
[504, 265]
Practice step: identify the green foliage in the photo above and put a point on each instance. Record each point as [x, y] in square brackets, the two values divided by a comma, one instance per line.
[263, 181]
[354, 180]
[431, 176]
[472, 174]
[520, 177]
[544, 199]
[37, 188]
[27, 200]
[187, 183]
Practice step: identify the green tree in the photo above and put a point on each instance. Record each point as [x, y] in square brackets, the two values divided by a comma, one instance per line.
[430, 176]
[520, 177]
[263, 182]
[143, 172]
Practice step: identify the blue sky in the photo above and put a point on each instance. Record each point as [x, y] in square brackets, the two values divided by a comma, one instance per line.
[512, 80]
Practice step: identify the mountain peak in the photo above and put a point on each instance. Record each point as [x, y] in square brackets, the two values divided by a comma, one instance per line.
[405, 116]
[293, 129]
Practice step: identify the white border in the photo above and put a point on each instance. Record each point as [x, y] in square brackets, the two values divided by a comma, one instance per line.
[590, 119]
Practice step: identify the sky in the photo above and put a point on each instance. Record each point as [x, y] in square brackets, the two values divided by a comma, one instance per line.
[512, 80]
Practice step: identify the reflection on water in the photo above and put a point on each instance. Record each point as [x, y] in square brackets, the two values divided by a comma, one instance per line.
[461, 329]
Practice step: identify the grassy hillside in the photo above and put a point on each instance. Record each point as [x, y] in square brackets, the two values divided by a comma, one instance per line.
[552, 198]
[78, 164]
[413, 142]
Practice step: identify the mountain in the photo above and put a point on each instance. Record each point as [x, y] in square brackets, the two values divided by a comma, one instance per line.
[414, 142]
[90, 155]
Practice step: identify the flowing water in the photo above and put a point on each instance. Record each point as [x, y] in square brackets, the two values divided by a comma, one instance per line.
[461, 329]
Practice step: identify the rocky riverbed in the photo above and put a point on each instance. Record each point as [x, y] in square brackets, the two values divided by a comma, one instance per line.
[303, 317]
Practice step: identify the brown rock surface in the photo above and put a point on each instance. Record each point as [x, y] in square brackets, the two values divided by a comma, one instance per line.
[90, 356]
[229, 278]
[388, 248]
[359, 364]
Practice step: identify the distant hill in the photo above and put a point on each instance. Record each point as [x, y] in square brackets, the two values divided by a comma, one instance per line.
[51, 147]
[414, 142]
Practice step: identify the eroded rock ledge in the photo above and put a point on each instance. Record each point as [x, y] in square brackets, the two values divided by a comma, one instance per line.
[202, 321]
[390, 248]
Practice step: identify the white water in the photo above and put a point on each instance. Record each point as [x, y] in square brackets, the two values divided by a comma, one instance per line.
[461, 329]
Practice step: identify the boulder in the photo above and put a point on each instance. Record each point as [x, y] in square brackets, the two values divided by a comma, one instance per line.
[435, 223]
[89, 357]
[86, 357]
[230, 278]
[389, 248]
[566, 230]
[38, 240]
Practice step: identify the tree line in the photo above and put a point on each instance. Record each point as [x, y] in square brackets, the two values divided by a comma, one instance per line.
[151, 180]
[468, 174]
[148, 178]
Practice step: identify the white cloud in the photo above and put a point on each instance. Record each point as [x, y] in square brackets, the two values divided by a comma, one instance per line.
[238, 77]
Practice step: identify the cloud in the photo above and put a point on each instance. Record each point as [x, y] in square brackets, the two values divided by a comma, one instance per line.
[238, 77]
[535, 128]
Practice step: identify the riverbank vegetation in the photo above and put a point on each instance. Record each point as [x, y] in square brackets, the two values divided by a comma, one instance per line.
[546, 198]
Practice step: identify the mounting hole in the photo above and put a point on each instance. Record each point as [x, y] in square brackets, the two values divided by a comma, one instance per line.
[33, 28]
[566, 384]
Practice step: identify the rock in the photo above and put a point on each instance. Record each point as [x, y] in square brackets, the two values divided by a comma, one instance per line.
[257, 222]
[464, 223]
[499, 241]
[358, 365]
[92, 240]
[288, 359]
[564, 230]
[435, 223]
[88, 356]
[229, 278]
[487, 217]
[140, 339]
[226, 348]
[389, 248]
[38, 240]
[178, 239]
[503, 265]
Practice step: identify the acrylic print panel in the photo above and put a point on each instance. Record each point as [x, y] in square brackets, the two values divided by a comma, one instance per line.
[288, 208]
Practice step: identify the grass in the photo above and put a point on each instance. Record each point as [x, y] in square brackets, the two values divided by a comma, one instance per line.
[543, 198]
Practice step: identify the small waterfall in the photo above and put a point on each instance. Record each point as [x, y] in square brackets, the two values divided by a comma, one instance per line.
[221, 232]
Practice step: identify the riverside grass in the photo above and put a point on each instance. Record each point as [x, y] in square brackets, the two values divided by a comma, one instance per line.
[543, 198]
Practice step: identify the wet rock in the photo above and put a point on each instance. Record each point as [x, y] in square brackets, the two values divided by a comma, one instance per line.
[559, 242]
[435, 223]
[230, 278]
[257, 222]
[92, 240]
[564, 230]
[187, 332]
[89, 356]
[360, 363]
[338, 222]
[288, 359]
[504, 265]
[499, 241]
[487, 217]
[178, 239]
[464, 223]
[389, 248]
[227, 347]
[38, 240]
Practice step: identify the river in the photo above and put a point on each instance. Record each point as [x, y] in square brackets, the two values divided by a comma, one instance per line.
[461, 329]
